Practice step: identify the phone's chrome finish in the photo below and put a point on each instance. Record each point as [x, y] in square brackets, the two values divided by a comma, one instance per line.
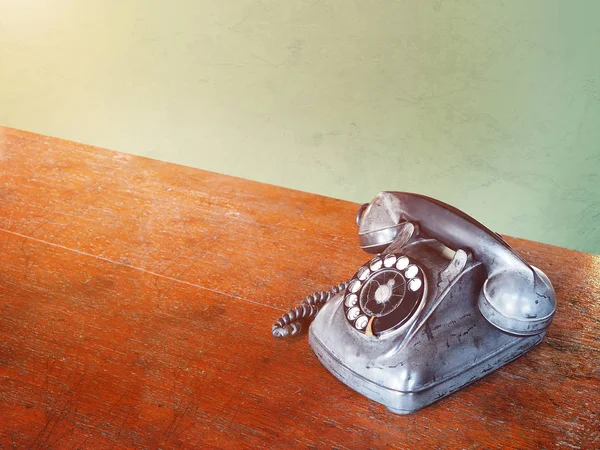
[360, 212]
[516, 297]
[483, 306]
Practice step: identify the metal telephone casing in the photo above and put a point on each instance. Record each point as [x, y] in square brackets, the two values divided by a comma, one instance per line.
[464, 325]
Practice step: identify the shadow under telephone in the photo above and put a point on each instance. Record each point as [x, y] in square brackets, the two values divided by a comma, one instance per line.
[445, 302]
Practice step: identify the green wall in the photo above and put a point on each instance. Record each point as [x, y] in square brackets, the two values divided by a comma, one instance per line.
[491, 106]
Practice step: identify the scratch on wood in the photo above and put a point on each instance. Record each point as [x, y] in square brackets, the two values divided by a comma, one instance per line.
[142, 270]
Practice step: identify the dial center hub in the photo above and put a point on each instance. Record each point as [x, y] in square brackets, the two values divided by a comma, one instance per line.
[384, 292]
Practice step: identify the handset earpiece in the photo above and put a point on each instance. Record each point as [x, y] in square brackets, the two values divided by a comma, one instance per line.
[512, 303]
[516, 297]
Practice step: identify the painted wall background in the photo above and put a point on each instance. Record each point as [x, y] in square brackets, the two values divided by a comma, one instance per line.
[493, 107]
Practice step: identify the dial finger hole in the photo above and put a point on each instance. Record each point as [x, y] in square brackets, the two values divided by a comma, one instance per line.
[363, 273]
[353, 313]
[351, 300]
[354, 286]
[389, 261]
[361, 322]
[402, 263]
[376, 264]
[415, 284]
[411, 271]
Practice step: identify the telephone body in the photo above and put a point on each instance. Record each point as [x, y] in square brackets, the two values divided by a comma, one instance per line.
[444, 302]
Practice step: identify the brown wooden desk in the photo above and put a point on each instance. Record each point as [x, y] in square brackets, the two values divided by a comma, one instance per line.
[136, 302]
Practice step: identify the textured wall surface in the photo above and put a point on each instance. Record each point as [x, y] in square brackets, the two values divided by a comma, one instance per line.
[491, 106]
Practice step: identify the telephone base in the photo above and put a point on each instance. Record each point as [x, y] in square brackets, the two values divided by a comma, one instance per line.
[406, 402]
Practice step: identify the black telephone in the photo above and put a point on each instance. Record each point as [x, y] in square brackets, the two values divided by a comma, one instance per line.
[444, 302]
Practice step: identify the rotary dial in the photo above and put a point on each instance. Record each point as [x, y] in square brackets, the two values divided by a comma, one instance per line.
[384, 294]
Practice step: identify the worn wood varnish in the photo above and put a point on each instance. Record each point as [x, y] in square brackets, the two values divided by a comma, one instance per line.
[137, 297]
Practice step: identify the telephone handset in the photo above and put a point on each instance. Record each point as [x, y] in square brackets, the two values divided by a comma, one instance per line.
[444, 302]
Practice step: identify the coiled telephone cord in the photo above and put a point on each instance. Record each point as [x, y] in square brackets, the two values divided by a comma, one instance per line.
[290, 323]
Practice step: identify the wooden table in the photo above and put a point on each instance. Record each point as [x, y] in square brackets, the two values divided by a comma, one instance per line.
[136, 302]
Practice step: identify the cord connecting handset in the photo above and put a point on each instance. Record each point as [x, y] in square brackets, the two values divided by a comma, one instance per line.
[292, 322]
[443, 302]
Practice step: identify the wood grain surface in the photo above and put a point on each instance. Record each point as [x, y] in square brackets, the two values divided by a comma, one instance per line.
[137, 297]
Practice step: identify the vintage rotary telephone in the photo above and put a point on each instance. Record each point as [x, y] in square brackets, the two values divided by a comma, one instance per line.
[445, 302]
